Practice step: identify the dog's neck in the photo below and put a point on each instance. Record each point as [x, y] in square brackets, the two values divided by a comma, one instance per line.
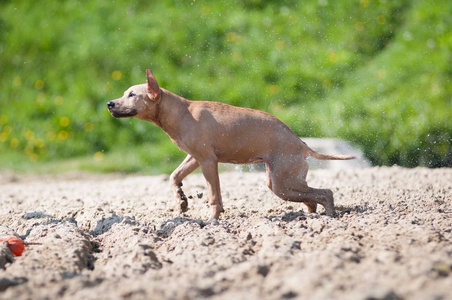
[169, 113]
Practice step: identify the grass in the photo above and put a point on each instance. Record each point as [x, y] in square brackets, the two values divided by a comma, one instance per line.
[144, 159]
[376, 73]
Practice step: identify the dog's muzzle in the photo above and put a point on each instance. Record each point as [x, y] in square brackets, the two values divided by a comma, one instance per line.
[118, 112]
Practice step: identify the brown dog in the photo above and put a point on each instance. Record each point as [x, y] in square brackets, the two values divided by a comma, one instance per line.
[212, 132]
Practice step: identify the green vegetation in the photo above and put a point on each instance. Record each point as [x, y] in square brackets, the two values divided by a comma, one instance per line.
[377, 73]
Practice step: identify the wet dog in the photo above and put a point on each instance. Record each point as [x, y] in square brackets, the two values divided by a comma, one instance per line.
[213, 132]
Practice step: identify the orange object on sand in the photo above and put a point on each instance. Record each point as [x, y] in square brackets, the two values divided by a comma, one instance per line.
[15, 245]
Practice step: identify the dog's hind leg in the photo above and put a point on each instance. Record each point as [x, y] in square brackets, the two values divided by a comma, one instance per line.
[309, 196]
[185, 168]
[312, 206]
[288, 182]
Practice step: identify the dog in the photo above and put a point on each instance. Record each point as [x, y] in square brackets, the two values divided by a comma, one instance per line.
[213, 132]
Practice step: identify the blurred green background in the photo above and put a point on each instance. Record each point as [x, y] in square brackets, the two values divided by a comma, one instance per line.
[376, 73]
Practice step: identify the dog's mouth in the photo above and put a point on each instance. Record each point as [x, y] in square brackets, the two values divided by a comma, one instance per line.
[123, 114]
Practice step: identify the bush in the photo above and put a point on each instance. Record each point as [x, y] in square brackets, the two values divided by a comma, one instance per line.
[373, 72]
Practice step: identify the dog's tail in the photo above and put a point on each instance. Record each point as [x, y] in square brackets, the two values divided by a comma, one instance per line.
[328, 156]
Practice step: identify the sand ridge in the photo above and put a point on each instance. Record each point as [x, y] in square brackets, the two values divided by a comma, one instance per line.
[118, 237]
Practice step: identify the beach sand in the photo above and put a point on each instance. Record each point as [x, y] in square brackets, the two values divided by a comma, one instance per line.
[119, 237]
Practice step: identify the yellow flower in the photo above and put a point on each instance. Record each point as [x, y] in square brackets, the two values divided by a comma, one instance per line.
[39, 143]
[205, 10]
[233, 37]
[99, 156]
[29, 135]
[326, 84]
[3, 137]
[63, 135]
[279, 45]
[8, 129]
[14, 143]
[59, 100]
[17, 81]
[28, 150]
[64, 122]
[333, 57]
[116, 75]
[359, 26]
[39, 84]
[89, 127]
[381, 20]
[381, 74]
[41, 99]
[364, 3]
[273, 89]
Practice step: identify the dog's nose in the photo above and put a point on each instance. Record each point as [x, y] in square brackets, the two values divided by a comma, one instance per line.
[111, 104]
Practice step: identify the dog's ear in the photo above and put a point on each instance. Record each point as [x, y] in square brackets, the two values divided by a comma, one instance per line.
[152, 86]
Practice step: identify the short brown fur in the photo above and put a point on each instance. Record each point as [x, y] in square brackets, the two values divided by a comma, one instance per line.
[213, 132]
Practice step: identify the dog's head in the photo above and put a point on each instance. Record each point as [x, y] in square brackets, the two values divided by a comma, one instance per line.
[139, 101]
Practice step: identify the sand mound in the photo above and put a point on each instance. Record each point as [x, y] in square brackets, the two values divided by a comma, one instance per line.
[117, 237]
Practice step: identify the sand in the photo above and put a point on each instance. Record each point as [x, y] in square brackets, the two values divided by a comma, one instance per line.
[118, 237]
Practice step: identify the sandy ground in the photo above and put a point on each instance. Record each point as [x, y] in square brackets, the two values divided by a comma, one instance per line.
[117, 237]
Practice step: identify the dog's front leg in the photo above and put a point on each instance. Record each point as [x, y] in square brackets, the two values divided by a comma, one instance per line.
[210, 172]
[185, 168]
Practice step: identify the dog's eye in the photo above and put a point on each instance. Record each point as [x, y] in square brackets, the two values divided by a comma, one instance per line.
[131, 94]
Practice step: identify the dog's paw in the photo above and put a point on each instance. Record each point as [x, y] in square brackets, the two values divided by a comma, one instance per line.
[331, 214]
[212, 221]
[183, 206]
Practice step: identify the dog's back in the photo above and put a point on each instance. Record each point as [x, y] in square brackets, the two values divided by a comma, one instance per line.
[241, 135]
